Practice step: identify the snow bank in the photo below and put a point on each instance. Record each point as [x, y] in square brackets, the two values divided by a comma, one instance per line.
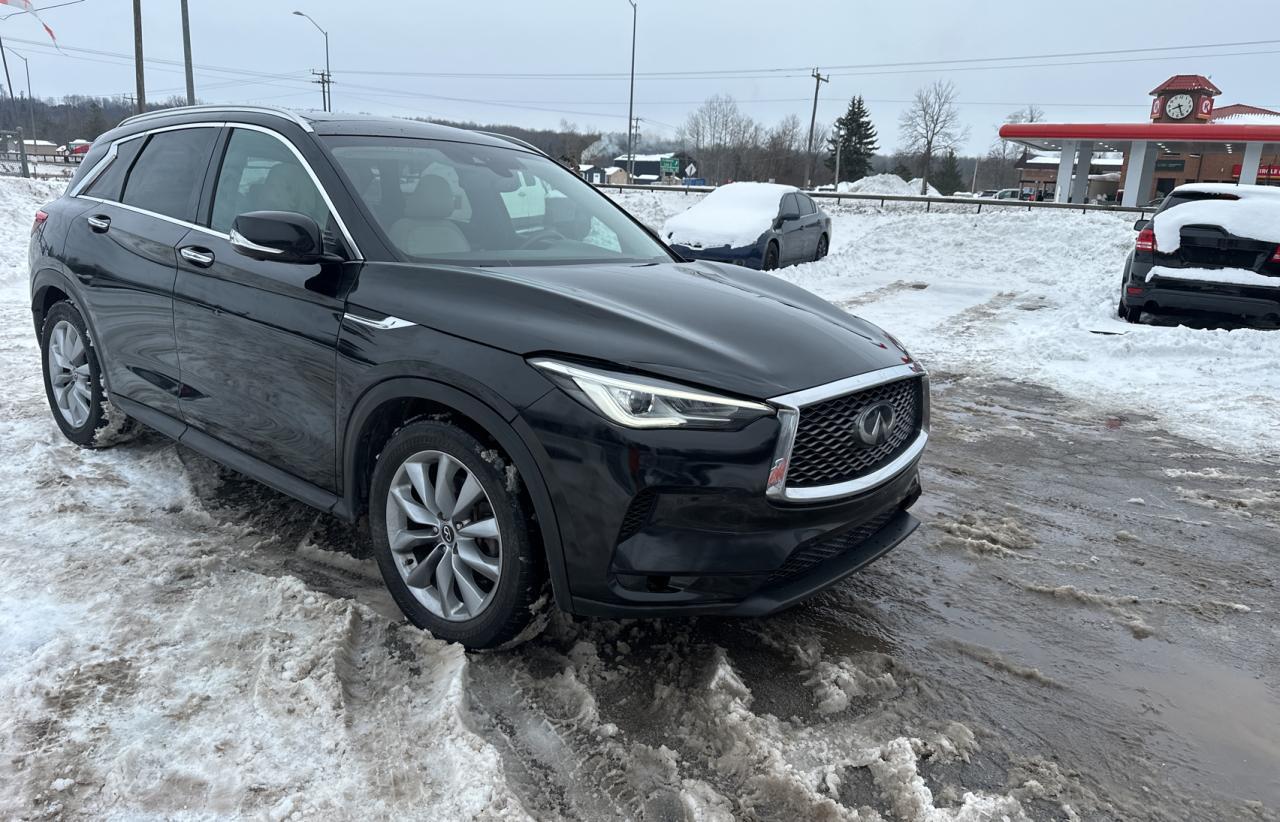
[733, 215]
[915, 188]
[1254, 217]
[1230, 276]
[881, 184]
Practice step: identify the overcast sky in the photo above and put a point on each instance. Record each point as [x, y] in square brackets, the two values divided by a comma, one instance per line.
[236, 44]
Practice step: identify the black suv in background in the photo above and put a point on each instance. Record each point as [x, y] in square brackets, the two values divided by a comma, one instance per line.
[510, 375]
[1211, 270]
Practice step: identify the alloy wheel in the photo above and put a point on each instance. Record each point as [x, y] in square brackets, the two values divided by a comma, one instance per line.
[68, 364]
[443, 534]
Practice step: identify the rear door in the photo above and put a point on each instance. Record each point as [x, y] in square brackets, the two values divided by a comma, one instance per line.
[258, 339]
[122, 250]
[811, 221]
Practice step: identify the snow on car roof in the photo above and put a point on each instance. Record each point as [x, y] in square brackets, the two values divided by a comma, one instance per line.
[1241, 191]
[1255, 216]
[735, 215]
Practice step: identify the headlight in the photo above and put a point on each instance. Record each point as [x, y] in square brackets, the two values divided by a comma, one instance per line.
[641, 402]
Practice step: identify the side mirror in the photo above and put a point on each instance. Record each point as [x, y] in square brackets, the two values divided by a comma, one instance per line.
[1139, 225]
[279, 236]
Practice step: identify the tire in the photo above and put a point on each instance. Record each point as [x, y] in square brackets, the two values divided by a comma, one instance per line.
[823, 246]
[496, 560]
[1131, 314]
[73, 382]
[770, 256]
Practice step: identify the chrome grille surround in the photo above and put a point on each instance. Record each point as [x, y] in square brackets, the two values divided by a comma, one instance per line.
[790, 407]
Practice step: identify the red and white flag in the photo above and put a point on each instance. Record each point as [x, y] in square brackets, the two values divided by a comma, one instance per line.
[26, 6]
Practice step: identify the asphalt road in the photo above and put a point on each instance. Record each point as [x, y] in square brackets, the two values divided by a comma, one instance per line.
[1086, 623]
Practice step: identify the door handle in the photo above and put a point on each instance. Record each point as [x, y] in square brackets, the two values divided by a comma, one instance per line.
[99, 223]
[200, 257]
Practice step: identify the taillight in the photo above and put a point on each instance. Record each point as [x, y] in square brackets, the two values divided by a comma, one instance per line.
[1146, 240]
[1275, 258]
[41, 216]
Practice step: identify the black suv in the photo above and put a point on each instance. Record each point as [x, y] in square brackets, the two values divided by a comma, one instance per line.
[451, 332]
[1212, 270]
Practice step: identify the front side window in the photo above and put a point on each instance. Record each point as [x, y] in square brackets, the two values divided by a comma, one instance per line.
[166, 177]
[261, 173]
[485, 205]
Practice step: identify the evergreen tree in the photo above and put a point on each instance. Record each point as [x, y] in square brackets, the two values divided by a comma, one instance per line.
[902, 171]
[948, 180]
[855, 137]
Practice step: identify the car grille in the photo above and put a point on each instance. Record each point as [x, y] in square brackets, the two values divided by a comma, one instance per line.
[808, 554]
[827, 449]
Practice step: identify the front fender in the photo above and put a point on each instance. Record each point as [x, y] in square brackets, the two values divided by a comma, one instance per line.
[514, 436]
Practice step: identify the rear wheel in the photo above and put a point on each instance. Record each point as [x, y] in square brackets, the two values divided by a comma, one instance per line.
[451, 535]
[73, 382]
[1131, 314]
[822, 248]
[770, 256]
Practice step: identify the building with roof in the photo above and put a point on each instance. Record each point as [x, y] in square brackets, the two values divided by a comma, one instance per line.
[1188, 139]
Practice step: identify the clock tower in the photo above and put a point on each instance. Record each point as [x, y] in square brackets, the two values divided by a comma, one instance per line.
[1183, 98]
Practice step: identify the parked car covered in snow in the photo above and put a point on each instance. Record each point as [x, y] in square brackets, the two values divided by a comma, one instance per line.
[759, 225]
[1211, 247]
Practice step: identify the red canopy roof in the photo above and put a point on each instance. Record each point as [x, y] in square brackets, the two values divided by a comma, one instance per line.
[1187, 82]
[1126, 132]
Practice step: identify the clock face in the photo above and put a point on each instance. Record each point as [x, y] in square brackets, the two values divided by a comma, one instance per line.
[1179, 106]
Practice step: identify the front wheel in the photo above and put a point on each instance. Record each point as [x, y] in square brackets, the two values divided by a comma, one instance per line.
[73, 382]
[770, 256]
[451, 535]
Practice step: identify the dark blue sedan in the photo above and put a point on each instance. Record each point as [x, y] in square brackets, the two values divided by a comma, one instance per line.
[759, 225]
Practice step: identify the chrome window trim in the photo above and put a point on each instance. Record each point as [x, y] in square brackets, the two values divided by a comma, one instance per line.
[789, 407]
[111, 154]
[283, 113]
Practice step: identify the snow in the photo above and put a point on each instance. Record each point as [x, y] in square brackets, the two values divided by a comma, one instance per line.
[880, 184]
[733, 215]
[914, 185]
[1022, 295]
[1254, 216]
[1230, 276]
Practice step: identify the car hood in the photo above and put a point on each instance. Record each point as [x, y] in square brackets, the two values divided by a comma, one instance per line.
[724, 327]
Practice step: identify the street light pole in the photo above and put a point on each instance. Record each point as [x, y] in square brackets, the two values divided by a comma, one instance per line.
[631, 100]
[31, 106]
[327, 79]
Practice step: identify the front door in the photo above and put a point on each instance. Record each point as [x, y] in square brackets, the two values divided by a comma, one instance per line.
[791, 236]
[122, 250]
[257, 340]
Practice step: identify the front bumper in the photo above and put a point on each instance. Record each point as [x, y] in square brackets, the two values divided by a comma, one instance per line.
[678, 522]
[750, 256]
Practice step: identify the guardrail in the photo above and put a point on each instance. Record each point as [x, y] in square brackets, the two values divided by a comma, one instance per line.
[928, 202]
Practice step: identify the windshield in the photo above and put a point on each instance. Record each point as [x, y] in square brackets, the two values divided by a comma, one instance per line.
[467, 204]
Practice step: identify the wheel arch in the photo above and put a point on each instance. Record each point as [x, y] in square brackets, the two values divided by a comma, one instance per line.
[386, 406]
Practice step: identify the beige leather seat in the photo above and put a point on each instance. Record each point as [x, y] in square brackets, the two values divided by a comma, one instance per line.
[425, 229]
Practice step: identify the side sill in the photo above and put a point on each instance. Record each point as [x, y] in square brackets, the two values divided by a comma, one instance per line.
[232, 458]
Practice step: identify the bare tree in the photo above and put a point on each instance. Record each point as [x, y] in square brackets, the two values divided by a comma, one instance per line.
[1003, 156]
[931, 126]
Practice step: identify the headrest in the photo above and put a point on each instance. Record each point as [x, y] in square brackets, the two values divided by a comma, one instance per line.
[432, 199]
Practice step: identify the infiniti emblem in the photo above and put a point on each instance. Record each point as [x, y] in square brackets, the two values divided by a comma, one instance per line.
[875, 423]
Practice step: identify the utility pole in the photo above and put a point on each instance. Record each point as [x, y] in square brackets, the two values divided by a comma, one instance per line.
[326, 78]
[137, 55]
[839, 145]
[813, 119]
[631, 100]
[973, 187]
[186, 54]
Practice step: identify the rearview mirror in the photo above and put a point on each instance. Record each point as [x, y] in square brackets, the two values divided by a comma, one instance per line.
[1139, 225]
[279, 236]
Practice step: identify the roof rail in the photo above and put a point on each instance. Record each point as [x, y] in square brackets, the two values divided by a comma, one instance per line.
[277, 112]
[516, 140]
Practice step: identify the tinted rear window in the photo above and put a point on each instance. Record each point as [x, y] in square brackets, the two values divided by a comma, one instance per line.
[1177, 198]
[166, 177]
[107, 184]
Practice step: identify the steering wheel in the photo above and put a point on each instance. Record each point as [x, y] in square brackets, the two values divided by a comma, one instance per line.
[540, 235]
